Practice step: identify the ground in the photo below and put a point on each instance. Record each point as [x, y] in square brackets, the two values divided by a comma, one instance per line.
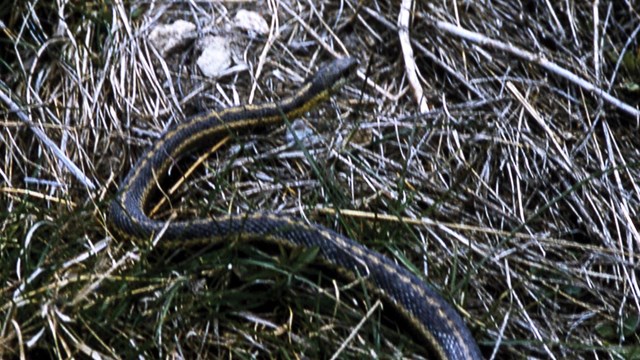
[491, 148]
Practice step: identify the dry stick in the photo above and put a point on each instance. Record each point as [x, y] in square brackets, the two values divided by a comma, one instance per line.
[274, 30]
[526, 55]
[529, 56]
[356, 329]
[47, 142]
[429, 54]
[407, 52]
[38, 195]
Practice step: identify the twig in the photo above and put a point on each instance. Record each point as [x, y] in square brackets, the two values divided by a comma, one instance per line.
[429, 54]
[531, 57]
[38, 195]
[274, 29]
[356, 329]
[407, 52]
[13, 107]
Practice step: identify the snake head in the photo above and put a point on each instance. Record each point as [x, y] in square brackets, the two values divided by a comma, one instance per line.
[333, 75]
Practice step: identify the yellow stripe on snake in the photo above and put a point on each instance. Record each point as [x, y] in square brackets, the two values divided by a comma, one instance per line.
[426, 311]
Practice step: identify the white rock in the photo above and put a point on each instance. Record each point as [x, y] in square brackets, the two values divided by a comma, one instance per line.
[167, 37]
[251, 21]
[215, 57]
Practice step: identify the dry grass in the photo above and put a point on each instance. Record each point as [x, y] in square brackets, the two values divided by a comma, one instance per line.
[517, 194]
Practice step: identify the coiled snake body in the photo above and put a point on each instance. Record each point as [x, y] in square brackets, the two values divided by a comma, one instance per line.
[442, 327]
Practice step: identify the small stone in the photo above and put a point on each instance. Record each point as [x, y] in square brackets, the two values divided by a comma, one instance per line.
[215, 57]
[167, 37]
[252, 22]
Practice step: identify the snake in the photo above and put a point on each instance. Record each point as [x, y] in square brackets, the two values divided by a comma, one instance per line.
[426, 311]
